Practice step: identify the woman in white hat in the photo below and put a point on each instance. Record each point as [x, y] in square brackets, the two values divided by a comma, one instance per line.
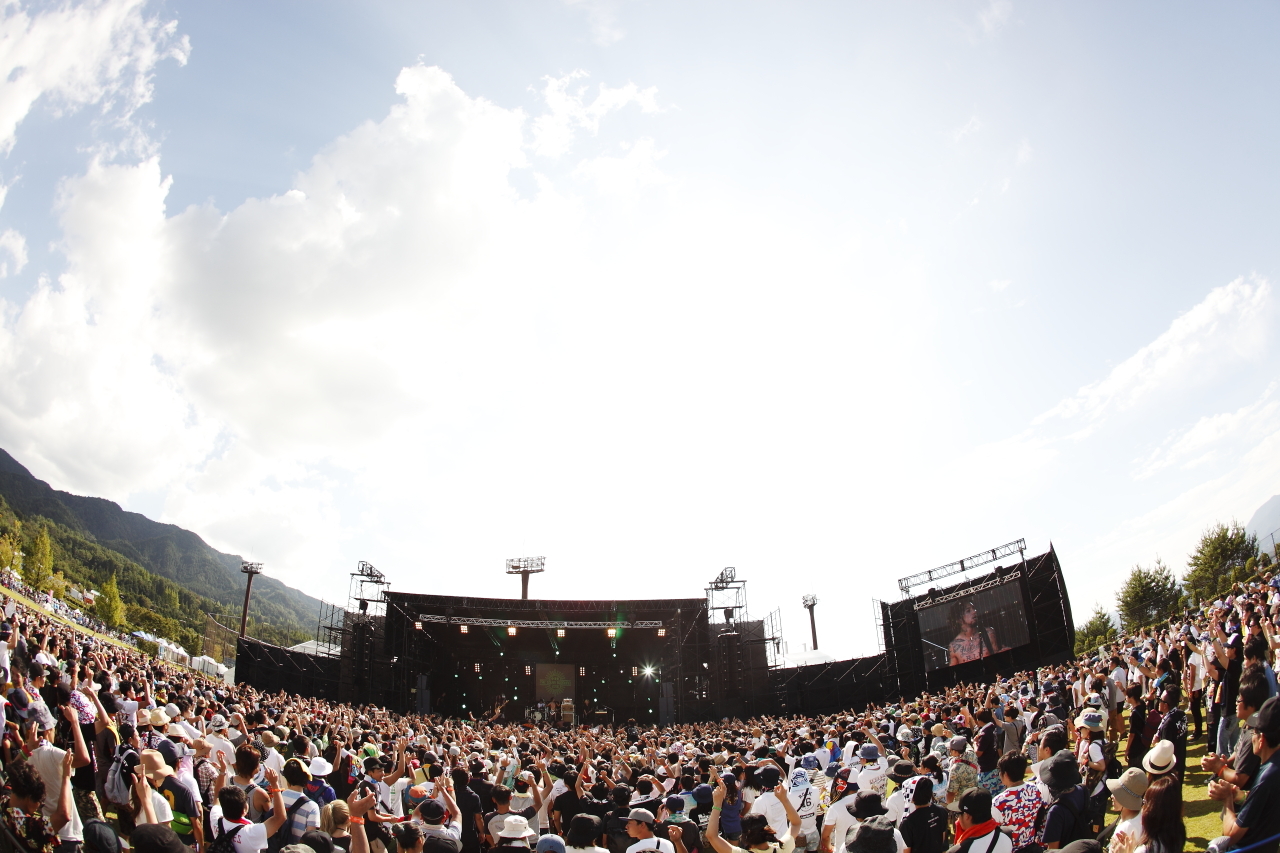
[515, 833]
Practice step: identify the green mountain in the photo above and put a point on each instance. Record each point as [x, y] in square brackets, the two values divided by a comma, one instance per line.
[104, 534]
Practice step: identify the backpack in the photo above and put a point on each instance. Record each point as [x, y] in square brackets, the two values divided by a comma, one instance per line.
[224, 842]
[616, 831]
[119, 777]
[195, 771]
[1152, 726]
[1076, 830]
[284, 835]
[1110, 770]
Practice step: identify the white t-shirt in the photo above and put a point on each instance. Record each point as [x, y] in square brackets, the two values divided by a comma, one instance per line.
[274, 760]
[1130, 826]
[219, 744]
[129, 711]
[47, 761]
[803, 800]
[874, 777]
[981, 844]
[397, 795]
[159, 805]
[895, 805]
[841, 822]
[660, 844]
[1197, 660]
[251, 838]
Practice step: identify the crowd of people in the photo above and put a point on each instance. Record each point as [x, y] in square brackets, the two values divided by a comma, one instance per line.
[104, 747]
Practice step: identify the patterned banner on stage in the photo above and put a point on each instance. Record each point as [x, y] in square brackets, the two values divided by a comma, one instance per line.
[553, 682]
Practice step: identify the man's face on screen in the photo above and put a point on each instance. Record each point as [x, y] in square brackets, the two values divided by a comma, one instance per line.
[970, 614]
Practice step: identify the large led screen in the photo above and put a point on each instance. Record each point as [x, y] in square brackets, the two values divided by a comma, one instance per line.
[974, 625]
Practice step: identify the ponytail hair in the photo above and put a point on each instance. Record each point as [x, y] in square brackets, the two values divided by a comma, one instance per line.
[334, 815]
[408, 836]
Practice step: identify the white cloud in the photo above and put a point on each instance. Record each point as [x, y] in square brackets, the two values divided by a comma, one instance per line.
[625, 175]
[999, 285]
[1231, 324]
[1024, 152]
[995, 15]
[1205, 440]
[16, 245]
[102, 53]
[602, 15]
[569, 111]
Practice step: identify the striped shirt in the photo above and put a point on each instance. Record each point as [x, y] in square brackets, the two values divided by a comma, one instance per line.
[306, 817]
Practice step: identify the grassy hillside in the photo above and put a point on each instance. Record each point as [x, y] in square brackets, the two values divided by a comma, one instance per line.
[162, 570]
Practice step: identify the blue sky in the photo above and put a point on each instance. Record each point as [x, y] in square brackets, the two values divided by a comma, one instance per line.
[829, 293]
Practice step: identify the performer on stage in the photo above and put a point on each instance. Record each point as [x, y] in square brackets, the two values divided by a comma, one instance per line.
[972, 641]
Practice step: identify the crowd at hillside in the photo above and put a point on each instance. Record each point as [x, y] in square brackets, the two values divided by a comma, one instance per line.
[105, 747]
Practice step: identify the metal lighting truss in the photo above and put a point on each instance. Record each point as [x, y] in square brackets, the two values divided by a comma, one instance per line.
[921, 578]
[532, 623]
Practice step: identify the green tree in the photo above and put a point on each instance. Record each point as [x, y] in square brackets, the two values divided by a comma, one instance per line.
[38, 570]
[1147, 597]
[58, 585]
[1264, 561]
[11, 551]
[1218, 559]
[108, 605]
[1099, 630]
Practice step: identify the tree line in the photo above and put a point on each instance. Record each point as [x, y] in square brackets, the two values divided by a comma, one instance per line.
[1225, 556]
[51, 557]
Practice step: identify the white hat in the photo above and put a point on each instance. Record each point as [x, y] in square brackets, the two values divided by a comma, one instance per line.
[320, 767]
[514, 826]
[1160, 759]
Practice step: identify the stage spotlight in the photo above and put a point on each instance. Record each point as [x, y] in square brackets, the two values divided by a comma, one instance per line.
[528, 670]
[662, 632]
[477, 667]
[417, 626]
[648, 670]
[511, 630]
[611, 633]
[560, 633]
[582, 670]
[635, 670]
[462, 628]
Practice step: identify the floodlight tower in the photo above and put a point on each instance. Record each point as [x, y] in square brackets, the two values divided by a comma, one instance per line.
[810, 602]
[525, 566]
[250, 570]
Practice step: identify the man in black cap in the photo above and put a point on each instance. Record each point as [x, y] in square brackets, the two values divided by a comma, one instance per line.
[976, 828]
[1066, 818]
[1258, 819]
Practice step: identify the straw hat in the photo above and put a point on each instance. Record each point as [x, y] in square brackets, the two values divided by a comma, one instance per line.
[154, 766]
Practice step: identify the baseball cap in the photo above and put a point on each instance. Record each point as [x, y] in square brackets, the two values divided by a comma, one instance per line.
[976, 803]
[431, 811]
[1267, 718]
[642, 815]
